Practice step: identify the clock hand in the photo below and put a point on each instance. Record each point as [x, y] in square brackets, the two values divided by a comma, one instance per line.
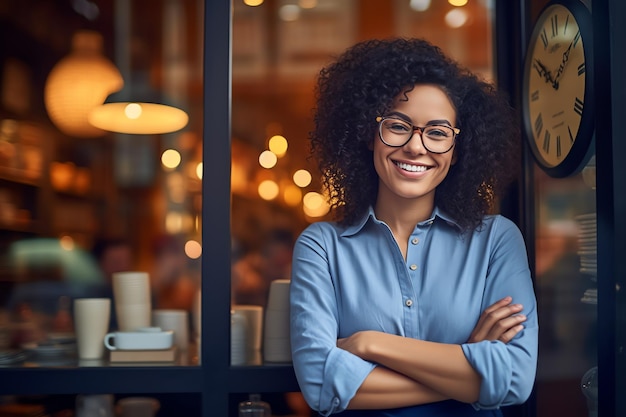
[559, 71]
[543, 71]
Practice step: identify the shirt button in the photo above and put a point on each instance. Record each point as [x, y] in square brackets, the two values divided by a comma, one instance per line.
[408, 303]
[415, 241]
[413, 267]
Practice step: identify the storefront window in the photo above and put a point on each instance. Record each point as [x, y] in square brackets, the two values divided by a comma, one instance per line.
[279, 48]
[84, 192]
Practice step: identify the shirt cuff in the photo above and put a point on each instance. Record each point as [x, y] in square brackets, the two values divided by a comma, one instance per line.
[343, 375]
[493, 363]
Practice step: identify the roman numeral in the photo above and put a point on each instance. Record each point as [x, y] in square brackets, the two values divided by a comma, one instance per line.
[538, 124]
[534, 96]
[581, 69]
[544, 38]
[558, 146]
[578, 106]
[565, 27]
[555, 25]
[546, 142]
[571, 137]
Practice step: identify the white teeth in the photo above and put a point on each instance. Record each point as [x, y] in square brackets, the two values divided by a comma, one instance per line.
[411, 168]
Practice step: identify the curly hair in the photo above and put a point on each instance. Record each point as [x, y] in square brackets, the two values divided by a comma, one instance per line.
[363, 83]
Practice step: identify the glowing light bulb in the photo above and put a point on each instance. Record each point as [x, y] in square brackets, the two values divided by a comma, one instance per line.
[268, 159]
[302, 178]
[133, 111]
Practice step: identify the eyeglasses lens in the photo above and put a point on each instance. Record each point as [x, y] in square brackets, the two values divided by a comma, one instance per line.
[435, 138]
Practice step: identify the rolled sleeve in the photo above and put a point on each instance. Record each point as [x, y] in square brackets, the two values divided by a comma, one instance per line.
[507, 370]
[328, 376]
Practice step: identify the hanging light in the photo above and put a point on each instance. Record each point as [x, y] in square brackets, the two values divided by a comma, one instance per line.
[138, 118]
[78, 83]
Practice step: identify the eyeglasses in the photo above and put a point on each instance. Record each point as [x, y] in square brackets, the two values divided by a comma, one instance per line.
[435, 138]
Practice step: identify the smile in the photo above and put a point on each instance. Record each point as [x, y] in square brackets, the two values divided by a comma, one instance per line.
[411, 168]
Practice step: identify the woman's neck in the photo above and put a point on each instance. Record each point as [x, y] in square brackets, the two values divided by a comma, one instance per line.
[402, 214]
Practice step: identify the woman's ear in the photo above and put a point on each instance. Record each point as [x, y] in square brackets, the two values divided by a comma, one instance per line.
[454, 157]
[370, 145]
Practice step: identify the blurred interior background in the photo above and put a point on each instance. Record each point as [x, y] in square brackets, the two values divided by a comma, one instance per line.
[87, 186]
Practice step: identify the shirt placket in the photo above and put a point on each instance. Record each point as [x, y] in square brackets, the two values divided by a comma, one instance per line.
[414, 267]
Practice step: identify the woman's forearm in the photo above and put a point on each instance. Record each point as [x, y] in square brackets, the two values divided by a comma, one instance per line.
[441, 367]
[385, 388]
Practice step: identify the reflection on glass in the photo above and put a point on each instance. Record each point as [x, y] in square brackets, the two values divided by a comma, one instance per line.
[80, 204]
[566, 275]
[279, 48]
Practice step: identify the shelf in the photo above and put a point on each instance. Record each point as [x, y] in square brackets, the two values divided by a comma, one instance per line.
[29, 227]
[140, 379]
[19, 176]
[273, 378]
[52, 381]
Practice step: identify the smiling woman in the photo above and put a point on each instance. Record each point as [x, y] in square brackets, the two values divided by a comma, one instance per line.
[450, 326]
[276, 60]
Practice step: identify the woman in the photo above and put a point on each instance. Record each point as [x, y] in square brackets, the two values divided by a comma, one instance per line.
[416, 302]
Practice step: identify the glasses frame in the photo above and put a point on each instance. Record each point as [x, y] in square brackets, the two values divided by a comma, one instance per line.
[420, 129]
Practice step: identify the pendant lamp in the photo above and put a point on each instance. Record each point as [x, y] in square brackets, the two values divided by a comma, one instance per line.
[138, 109]
[136, 117]
[78, 83]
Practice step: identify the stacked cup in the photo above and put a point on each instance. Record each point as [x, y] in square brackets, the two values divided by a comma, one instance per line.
[276, 343]
[133, 305]
[175, 320]
[254, 332]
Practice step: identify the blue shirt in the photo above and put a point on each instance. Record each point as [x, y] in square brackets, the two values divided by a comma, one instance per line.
[353, 278]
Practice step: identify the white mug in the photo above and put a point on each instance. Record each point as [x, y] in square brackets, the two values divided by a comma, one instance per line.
[149, 338]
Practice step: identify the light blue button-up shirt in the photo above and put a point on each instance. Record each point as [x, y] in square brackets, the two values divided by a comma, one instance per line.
[348, 279]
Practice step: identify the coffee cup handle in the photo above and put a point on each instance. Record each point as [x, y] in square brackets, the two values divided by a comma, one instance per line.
[107, 341]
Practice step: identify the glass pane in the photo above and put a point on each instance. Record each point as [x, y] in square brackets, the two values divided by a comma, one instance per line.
[87, 191]
[279, 48]
[566, 273]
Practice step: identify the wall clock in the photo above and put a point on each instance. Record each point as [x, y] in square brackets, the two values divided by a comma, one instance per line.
[557, 94]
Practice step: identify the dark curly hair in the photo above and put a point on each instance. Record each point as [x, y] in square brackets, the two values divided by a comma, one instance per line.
[363, 83]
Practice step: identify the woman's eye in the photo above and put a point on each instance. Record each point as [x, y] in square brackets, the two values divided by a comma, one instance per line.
[438, 132]
[398, 127]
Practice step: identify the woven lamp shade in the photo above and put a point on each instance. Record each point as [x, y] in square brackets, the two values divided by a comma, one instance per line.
[78, 83]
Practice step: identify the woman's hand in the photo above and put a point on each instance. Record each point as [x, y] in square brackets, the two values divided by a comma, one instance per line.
[499, 321]
[357, 343]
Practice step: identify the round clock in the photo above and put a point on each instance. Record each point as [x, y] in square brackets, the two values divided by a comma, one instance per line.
[557, 95]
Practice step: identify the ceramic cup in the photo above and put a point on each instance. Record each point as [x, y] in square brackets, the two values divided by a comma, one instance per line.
[276, 337]
[254, 319]
[148, 338]
[91, 324]
[175, 320]
[131, 292]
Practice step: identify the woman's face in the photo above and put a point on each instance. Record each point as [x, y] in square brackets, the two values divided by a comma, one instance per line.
[411, 171]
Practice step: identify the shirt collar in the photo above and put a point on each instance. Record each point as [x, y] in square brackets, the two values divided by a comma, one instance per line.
[371, 216]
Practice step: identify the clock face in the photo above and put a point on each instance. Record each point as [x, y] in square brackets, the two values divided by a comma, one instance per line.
[557, 113]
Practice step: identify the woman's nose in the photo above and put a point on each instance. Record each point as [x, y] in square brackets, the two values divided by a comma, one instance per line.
[415, 145]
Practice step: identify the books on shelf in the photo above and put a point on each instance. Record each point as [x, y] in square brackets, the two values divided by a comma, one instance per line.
[165, 355]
